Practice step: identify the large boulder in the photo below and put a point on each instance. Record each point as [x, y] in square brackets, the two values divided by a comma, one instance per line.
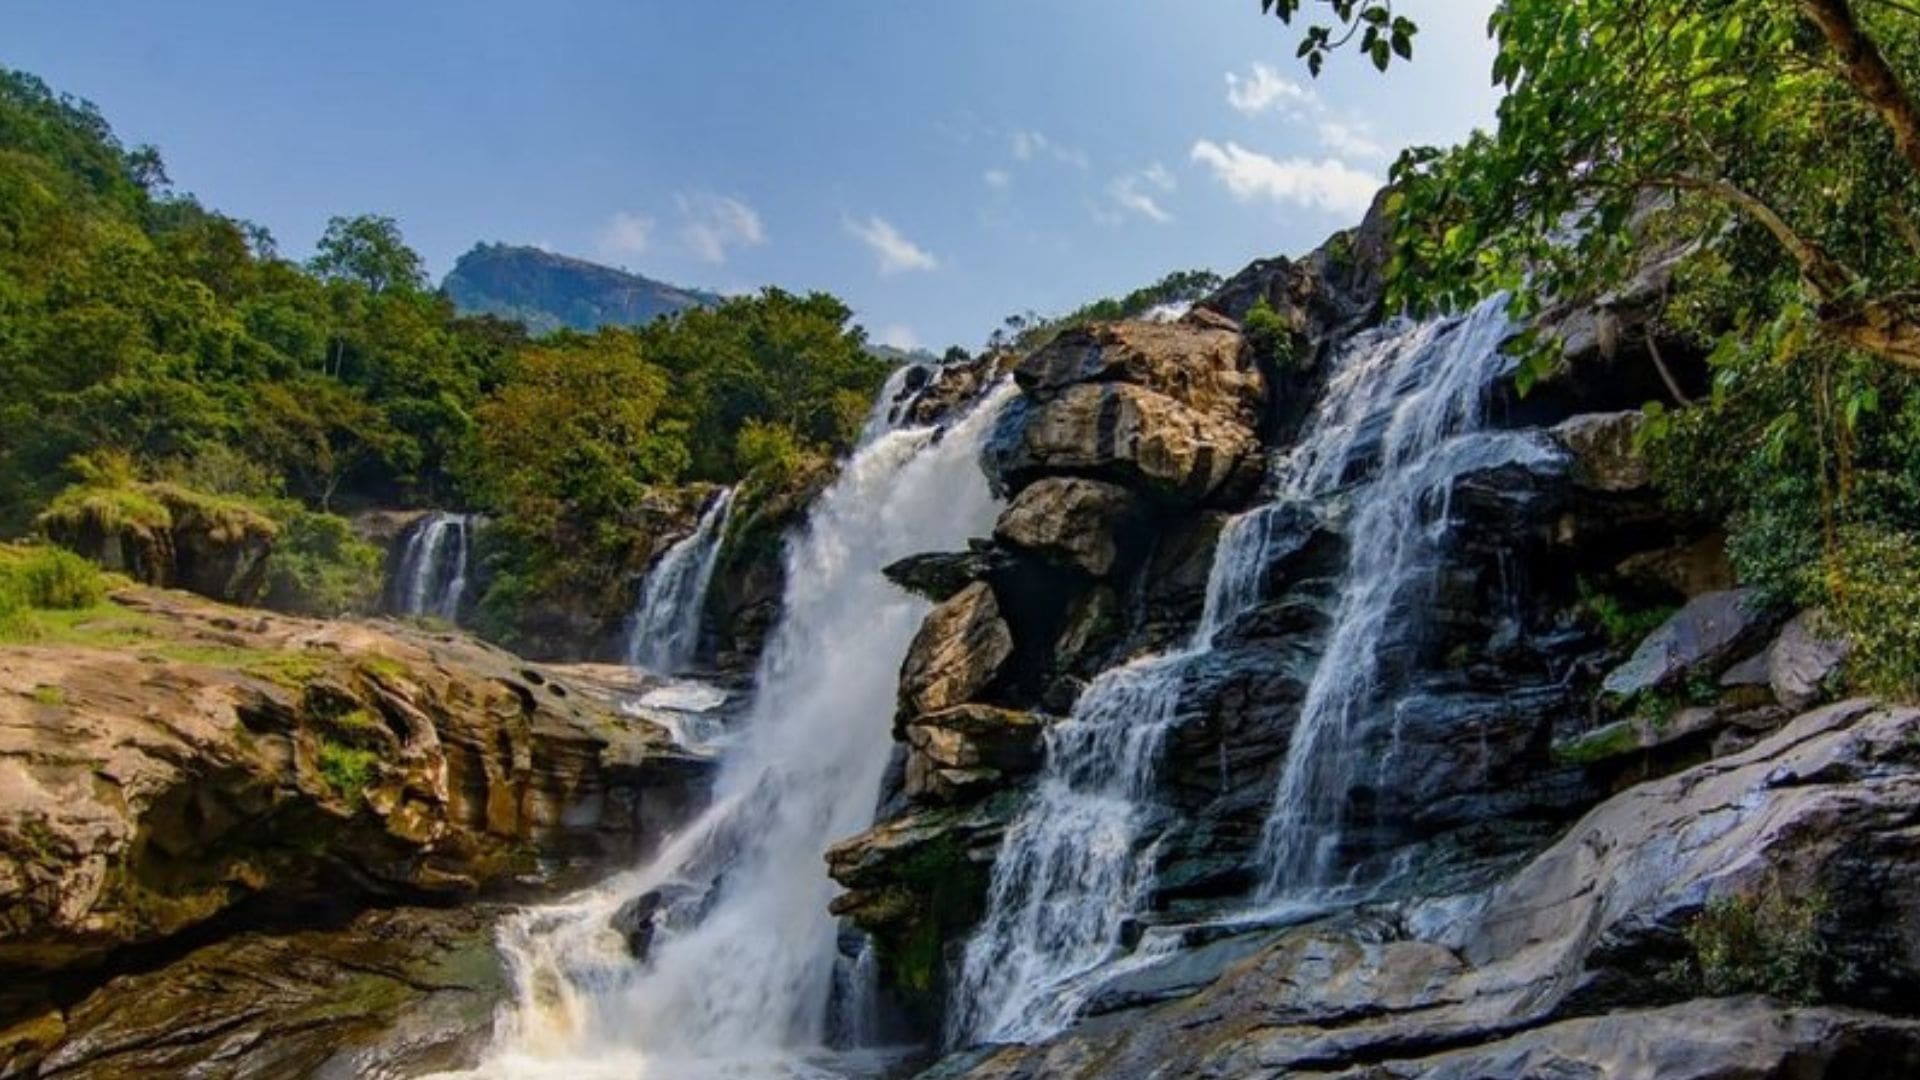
[169, 536]
[1805, 660]
[957, 653]
[939, 575]
[1197, 362]
[1706, 635]
[968, 750]
[164, 763]
[1070, 521]
[1606, 454]
[1134, 437]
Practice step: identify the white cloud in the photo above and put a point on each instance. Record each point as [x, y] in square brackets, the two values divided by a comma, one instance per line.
[624, 234]
[1350, 140]
[1263, 89]
[899, 336]
[896, 253]
[1330, 185]
[1032, 145]
[1133, 193]
[712, 224]
[998, 179]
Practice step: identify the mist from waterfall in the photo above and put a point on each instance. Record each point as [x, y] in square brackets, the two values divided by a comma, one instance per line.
[1404, 410]
[739, 974]
[435, 566]
[664, 634]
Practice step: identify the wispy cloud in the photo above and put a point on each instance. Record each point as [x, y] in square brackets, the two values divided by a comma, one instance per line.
[997, 179]
[1350, 140]
[1330, 185]
[1135, 194]
[894, 252]
[1034, 146]
[625, 234]
[712, 225]
[1263, 89]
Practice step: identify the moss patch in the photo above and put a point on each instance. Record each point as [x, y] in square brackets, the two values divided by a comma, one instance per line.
[347, 770]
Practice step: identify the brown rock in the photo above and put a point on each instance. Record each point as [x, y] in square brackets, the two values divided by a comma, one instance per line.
[1604, 455]
[1137, 438]
[1068, 520]
[959, 650]
[1198, 363]
[968, 748]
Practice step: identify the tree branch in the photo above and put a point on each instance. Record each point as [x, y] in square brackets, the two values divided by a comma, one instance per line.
[1872, 78]
[1828, 278]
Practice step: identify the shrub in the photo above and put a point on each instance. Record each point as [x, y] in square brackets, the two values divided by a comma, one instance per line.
[1873, 590]
[1622, 625]
[1764, 943]
[49, 579]
[320, 567]
[1268, 335]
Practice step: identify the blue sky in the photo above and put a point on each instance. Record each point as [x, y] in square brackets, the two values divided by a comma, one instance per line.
[940, 165]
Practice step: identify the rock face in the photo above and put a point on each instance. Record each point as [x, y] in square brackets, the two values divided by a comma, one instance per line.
[167, 764]
[1709, 632]
[957, 653]
[1804, 660]
[1071, 521]
[1135, 437]
[1604, 455]
[1503, 982]
[1198, 363]
[178, 539]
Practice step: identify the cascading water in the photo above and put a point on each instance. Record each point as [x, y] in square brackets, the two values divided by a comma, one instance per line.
[1407, 400]
[664, 633]
[434, 566]
[738, 976]
[1072, 868]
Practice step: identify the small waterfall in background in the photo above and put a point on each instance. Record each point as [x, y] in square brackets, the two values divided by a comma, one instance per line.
[435, 566]
[1072, 869]
[1404, 409]
[664, 633]
[740, 971]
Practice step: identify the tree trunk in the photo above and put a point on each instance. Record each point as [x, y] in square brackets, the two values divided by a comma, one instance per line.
[1872, 78]
[1883, 328]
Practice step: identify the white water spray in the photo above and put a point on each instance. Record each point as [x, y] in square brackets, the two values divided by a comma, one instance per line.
[434, 566]
[664, 634]
[738, 977]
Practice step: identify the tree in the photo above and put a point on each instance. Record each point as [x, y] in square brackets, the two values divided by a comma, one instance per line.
[1381, 34]
[368, 249]
[1784, 130]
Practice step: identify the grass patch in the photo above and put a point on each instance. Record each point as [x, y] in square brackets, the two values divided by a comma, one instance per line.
[1623, 626]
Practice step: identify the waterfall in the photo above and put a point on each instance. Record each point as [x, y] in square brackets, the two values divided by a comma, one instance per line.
[1072, 868]
[739, 973]
[664, 633]
[434, 566]
[1403, 411]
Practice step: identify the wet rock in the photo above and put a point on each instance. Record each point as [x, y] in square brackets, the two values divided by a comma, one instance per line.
[1196, 362]
[1605, 457]
[1805, 661]
[1070, 521]
[958, 652]
[1131, 436]
[939, 575]
[1504, 980]
[1706, 634]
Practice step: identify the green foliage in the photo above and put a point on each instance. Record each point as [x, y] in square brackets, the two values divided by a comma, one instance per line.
[368, 251]
[1381, 34]
[320, 567]
[1623, 625]
[347, 770]
[48, 579]
[1030, 330]
[1873, 595]
[1269, 336]
[1768, 943]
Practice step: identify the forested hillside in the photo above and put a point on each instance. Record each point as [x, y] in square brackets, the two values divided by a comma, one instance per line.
[160, 359]
[546, 291]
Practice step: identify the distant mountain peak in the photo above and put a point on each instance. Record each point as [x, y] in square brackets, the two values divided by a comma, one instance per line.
[548, 291]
